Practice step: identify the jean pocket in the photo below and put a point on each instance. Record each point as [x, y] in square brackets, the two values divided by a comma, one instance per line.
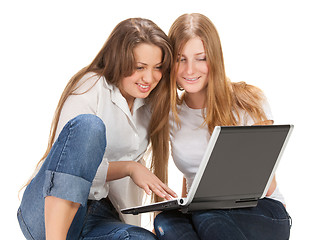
[23, 226]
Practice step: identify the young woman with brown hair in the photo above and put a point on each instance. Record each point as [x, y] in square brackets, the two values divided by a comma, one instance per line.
[210, 99]
[104, 121]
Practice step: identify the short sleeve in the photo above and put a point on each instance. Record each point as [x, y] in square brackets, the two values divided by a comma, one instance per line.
[100, 187]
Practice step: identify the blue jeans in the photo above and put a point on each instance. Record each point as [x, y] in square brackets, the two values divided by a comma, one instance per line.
[67, 173]
[268, 220]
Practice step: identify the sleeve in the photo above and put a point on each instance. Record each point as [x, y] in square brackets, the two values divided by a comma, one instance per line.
[100, 187]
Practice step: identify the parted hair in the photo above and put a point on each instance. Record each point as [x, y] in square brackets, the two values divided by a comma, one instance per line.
[225, 99]
[115, 61]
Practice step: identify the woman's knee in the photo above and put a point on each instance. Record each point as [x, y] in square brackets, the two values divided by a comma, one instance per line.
[87, 135]
[163, 221]
[174, 225]
[214, 224]
[79, 148]
[90, 125]
[134, 232]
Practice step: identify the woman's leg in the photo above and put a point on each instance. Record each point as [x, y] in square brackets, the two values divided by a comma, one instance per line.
[174, 225]
[216, 225]
[103, 223]
[268, 220]
[66, 174]
[59, 214]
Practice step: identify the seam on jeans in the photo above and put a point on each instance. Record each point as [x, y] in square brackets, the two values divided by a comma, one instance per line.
[290, 221]
[19, 215]
[103, 237]
[264, 216]
[64, 147]
[51, 183]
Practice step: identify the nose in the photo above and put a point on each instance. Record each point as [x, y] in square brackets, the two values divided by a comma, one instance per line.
[190, 67]
[148, 76]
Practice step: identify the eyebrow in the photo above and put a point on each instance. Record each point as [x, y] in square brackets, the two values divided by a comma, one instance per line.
[194, 54]
[147, 64]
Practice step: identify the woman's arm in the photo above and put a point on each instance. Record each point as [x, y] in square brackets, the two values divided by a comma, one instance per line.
[59, 214]
[184, 189]
[141, 176]
[272, 187]
[267, 122]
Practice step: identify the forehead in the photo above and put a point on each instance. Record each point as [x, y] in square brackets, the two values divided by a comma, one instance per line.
[147, 53]
[193, 46]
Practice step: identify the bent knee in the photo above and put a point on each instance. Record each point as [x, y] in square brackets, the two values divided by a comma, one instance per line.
[161, 221]
[134, 232]
[90, 123]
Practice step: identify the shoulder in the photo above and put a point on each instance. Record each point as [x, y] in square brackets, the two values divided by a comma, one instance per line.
[91, 82]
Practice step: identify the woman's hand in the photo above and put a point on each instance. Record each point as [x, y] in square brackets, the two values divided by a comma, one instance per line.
[148, 181]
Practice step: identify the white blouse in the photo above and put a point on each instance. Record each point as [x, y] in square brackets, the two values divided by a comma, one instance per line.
[127, 137]
[189, 141]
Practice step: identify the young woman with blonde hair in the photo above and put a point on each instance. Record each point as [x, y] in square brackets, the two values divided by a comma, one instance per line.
[104, 121]
[210, 99]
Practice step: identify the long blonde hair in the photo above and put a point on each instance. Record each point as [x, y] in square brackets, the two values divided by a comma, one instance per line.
[224, 98]
[115, 61]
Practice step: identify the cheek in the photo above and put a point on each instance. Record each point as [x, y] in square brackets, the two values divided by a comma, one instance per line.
[180, 69]
[123, 83]
[205, 69]
[157, 76]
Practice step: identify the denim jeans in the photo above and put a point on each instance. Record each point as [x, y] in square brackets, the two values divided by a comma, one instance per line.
[103, 222]
[268, 220]
[67, 173]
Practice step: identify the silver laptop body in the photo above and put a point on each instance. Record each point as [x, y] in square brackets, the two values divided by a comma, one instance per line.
[236, 170]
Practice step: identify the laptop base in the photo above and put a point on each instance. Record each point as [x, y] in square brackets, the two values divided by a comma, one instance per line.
[225, 204]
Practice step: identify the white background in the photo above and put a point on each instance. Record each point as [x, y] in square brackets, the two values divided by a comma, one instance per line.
[276, 45]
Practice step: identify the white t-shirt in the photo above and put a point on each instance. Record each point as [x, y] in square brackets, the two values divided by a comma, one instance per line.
[127, 137]
[190, 139]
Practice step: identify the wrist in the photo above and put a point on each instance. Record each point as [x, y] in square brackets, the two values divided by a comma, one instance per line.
[131, 168]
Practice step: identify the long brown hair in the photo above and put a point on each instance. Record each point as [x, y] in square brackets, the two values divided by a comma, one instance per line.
[115, 61]
[224, 98]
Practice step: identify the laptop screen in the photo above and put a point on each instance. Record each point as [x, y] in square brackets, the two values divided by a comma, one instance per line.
[241, 162]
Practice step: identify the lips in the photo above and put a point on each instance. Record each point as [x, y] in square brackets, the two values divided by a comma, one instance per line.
[191, 79]
[143, 87]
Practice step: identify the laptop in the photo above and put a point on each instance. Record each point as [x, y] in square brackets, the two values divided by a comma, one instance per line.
[235, 172]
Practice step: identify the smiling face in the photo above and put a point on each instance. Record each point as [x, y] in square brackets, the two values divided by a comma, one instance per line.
[147, 74]
[193, 69]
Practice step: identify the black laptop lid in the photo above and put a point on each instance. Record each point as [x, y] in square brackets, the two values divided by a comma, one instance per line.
[241, 162]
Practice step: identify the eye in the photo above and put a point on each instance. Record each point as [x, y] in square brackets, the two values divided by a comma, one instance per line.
[159, 67]
[201, 59]
[138, 68]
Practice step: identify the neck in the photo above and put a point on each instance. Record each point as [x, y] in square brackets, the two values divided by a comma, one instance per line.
[130, 104]
[128, 98]
[195, 100]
